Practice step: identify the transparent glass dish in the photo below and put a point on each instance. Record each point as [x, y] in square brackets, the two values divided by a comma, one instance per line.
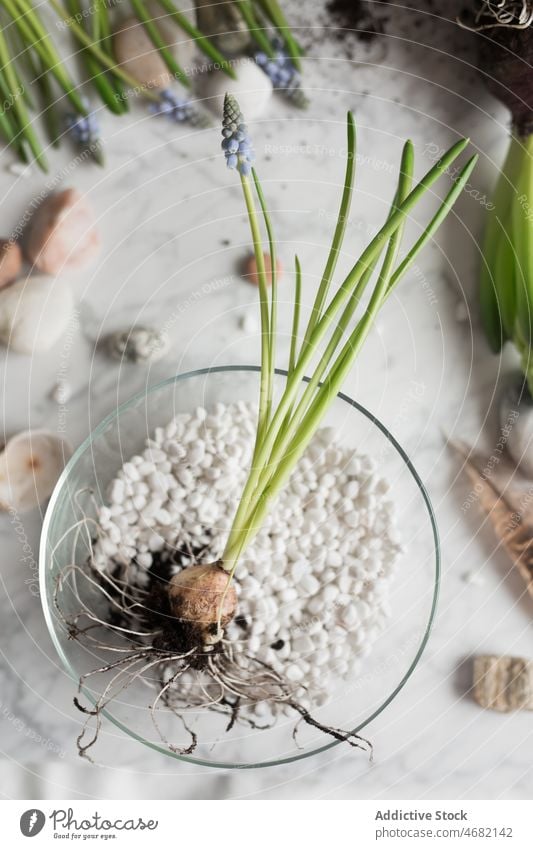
[353, 704]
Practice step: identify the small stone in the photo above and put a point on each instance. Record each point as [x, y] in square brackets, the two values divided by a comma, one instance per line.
[139, 344]
[18, 169]
[294, 672]
[503, 683]
[61, 392]
[62, 233]
[136, 54]
[250, 269]
[252, 88]
[10, 261]
[248, 323]
[34, 313]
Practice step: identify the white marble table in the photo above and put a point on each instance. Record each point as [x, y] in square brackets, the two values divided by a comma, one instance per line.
[172, 221]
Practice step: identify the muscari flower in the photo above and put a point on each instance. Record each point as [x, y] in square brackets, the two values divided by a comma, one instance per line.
[178, 109]
[83, 129]
[237, 145]
[282, 73]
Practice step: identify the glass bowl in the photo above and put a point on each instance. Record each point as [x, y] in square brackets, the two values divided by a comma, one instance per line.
[353, 704]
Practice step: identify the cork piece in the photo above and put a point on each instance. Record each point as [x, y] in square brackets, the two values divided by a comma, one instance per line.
[503, 683]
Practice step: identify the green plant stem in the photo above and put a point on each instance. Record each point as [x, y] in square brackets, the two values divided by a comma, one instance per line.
[254, 27]
[264, 399]
[203, 43]
[85, 39]
[296, 313]
[18, 105]
[273, 320]
[273, 11]
[497, 285]
[157, 40]
[24, 20]
[109, 89]
[333, 383]
[345, 290]
[521, 230]
[340, 229]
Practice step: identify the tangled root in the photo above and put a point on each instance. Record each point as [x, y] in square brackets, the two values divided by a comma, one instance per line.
[136, 628]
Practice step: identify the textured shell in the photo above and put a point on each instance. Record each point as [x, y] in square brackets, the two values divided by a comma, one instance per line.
[138, 344]
[30, 466]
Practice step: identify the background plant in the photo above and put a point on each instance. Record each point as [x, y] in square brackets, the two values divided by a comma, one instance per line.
[34, 80]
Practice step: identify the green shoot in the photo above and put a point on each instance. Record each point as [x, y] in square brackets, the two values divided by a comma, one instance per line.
[285, 432]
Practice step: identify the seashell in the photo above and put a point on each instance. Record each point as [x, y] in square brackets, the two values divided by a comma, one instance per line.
[138, 344]
[30, 466]
[34, 313]
[137, 55]
[62, 233]
[252, 88]
[10, 261]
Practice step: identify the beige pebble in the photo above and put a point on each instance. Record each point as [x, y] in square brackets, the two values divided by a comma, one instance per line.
[252, 88]
[136, 55]
[62, 233]
[34, 313]
[10, 261]
[250, 269]
[503, 683]
[182, 46]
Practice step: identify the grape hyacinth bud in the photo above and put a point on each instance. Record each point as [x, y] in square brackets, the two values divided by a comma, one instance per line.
[178, 109]
[237, 145]
[84, 130]
[282, 74]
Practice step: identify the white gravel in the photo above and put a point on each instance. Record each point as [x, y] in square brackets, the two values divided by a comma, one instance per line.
[314, 584]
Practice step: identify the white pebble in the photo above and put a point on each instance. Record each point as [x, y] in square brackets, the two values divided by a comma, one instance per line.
[314, 581]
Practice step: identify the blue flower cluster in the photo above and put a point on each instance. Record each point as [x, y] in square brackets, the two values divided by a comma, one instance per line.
[83, 129]
[237, 145]
[282, 73]
[178, 108]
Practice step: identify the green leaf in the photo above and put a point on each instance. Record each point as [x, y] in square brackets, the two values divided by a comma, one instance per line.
[157, 40]
[203, 43]
[273, 11]
[18, 105]
[254, 27]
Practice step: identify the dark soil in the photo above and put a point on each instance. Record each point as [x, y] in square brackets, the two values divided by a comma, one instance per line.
[354, 19]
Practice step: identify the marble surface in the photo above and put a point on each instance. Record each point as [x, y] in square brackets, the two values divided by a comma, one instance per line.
[172, 221]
